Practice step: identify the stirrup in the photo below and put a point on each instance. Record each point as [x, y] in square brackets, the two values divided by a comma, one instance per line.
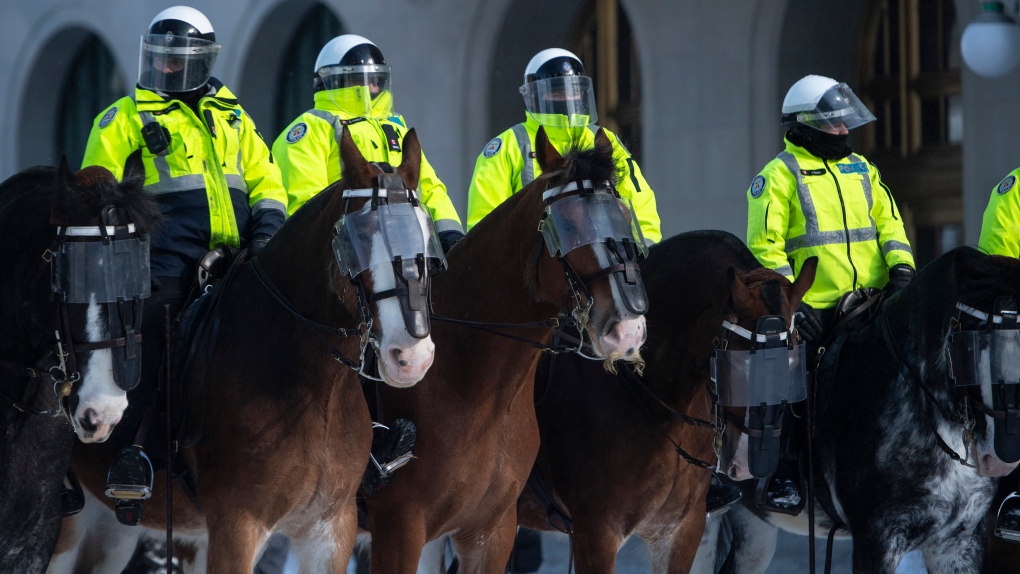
[721, 497]
[791, 500]
[130, 476]
[391, 449]
[1007, 523]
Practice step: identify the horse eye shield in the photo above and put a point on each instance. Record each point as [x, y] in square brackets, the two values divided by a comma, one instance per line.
[384, 234]
[772, 372]
[986, 356]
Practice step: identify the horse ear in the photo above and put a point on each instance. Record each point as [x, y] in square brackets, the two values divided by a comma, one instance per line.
[805, 279]
[410, 165]
[353, 164]
[602, 142]
[134, 171]
[66, 184]
[548, 158]
[738, 290]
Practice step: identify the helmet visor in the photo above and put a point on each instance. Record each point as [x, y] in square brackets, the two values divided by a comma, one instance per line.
[169, 63]
[564, 101]
[838, 108]
[360, 91]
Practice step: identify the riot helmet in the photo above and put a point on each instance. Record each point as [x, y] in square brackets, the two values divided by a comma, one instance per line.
[354, 74]
[556, 91]
[177, 51]
[825, 105]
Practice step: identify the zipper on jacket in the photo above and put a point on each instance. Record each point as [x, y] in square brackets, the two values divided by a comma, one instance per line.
[846, 228]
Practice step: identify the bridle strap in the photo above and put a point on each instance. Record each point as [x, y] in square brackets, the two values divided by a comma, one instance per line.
[107, 344]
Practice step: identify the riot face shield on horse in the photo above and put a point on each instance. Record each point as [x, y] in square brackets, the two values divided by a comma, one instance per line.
[984, 363]
[391, 229]
[108, 265]
[764, 379]
[584, 213]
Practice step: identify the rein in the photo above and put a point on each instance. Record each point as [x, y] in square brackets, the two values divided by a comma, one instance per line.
[363, 330]
[631, 380]
[909, 374]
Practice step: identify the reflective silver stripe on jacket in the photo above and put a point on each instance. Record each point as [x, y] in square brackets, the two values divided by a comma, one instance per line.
[785, 270]
[448, 225]
[338, 127]
[893, 245]
[524, 143]
[813, 237]
[866, 184]
[168, 183]
[268, 204]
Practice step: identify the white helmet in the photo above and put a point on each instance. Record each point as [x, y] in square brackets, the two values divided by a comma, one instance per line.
[177, 51]
[354, 72]
[556, 91]
[824, 104]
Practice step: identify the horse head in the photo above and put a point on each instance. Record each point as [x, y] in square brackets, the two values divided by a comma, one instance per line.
[967, 350]
[759, 310]
[594, 245]
[100, 274]
[387, 245]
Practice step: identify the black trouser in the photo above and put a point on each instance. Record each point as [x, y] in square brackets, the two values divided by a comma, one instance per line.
[171, 291]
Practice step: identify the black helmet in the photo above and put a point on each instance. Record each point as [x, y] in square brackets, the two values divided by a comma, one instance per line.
[177, 51]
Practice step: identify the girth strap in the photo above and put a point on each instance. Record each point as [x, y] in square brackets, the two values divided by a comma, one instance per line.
[553, 510]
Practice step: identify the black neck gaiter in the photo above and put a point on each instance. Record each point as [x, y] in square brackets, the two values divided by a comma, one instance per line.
[818, 143]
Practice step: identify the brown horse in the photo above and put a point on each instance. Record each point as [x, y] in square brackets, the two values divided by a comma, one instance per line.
[607, 458]
[477, 434]
[287, 432]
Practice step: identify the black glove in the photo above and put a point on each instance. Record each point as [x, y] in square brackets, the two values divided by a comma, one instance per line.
[257, 244]
[808, 323]
[899, 276]
[449, 238]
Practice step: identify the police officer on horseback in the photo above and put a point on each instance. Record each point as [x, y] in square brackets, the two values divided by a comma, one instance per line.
[560, 97]
[1000, 235]
[353, 89]
[213, 179]
[818, 198]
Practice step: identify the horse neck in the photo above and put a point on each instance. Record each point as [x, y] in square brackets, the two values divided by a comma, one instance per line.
[24, 300]
[918, 319]
[300, 262]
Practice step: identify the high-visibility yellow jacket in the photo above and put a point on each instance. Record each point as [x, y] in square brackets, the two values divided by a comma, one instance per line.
[308, 153]
[801, 206]
[501, 171]
[215, 184]
[1000, 228]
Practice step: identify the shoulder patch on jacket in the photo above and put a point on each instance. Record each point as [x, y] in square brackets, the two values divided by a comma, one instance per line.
[108, 117]
[1006, 184]
[397, 120]
[492, 147]
[856, 167]
[297, 132]
[757, 186]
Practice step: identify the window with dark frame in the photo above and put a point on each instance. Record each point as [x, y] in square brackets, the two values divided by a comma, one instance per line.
[93, 82]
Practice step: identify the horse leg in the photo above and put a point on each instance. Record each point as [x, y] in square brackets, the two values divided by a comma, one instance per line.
[963, 554]
[873, 554]
[397, 545]
[235, 539]
[710, 546]
[482, 551]
[678, 554]
[594, 546]
[753, 541]
[326, 547]
[93, 541]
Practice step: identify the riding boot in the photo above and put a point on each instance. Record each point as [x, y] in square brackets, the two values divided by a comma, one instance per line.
[781, 492]
[1007, 523]
[391, 449]
[721, 495]
[129, 483]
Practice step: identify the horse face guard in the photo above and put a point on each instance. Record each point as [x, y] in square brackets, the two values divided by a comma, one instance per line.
[765, 378]
[391, 229]
[990, 355]
[582, 213]
[107, 264]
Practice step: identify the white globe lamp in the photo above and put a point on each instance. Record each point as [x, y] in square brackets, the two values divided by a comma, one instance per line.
[991, 43]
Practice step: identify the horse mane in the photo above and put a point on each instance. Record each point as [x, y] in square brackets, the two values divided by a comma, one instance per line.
[593, 163]
[986, 276]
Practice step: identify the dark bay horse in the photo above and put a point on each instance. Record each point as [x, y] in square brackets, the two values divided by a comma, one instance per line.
[604, 458]
[477, 433]
[36, 419]
[287, 431]
[878, 434]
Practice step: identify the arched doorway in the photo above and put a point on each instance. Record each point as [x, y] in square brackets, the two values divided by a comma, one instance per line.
[60, 105]
[277, 76]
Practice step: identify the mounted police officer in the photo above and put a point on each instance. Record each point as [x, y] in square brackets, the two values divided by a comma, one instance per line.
[212, 176]
[352, 89]
[1000, 235]
[820, 199]
[558, 96]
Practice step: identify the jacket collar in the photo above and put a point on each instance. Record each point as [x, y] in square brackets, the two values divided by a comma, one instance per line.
[148, 100]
